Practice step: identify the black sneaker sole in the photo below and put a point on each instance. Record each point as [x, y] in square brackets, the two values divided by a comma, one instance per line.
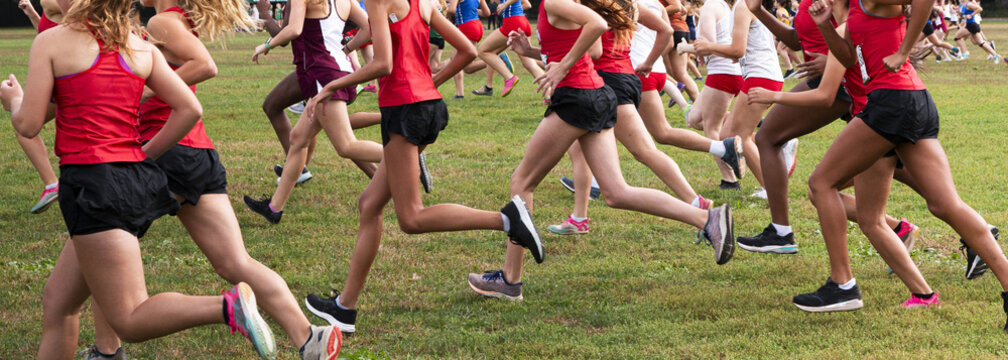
[344, 328]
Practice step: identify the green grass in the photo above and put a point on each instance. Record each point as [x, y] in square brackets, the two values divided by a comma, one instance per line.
[636, 287]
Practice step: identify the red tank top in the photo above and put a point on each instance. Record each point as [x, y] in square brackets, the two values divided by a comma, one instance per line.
[856, 89]
[154, 112]
[410, 80]
[615, 57]
[555, 44]
[45, 24]
[808, 33]
[874, 38]
[96, 118]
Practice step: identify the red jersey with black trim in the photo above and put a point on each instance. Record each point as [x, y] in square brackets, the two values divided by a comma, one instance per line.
[410, 80]
[875, 38]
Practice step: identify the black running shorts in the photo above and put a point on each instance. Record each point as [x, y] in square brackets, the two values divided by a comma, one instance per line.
[419, 122]
[193, 172]
[588, 109]
[627, 87]
[901, 115]
[928, 29]
[973, 27]
[121, 195]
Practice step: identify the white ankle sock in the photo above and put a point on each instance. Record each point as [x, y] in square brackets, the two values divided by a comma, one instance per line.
[507, 222]
[696, 202]
[782, 230]
[717, 148]
[578, 219]
[848, 285]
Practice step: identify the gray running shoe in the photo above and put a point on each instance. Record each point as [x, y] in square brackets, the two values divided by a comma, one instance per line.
[719, 233]
[323, 344]
[492, 284]
[92, 353]
[733, 155]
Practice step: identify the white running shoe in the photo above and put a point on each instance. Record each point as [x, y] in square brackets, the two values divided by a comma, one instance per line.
[761, 193]
[790, 156]
[297, 108]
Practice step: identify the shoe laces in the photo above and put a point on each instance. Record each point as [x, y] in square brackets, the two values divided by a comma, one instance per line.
[493, 275]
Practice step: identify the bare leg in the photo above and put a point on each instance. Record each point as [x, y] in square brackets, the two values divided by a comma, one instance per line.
[64, 293]
[678, 72]
[654, 120]
[582, 180]
[36, 151]
[742, 122]
[105, 338]
[708, 114]
[284, 94]
[489, 50]
[631, 133]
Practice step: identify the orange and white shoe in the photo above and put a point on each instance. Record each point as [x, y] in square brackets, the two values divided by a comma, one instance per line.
[324, 343]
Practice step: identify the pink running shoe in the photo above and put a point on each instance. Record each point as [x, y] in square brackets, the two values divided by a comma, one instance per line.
[48, 197]
[908, 233]
[371, 88]
[915, 301]
[509, 85]
[570, 227]
[243, 317]
[705, 203]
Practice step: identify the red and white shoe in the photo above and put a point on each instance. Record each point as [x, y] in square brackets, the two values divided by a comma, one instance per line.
[570, 227]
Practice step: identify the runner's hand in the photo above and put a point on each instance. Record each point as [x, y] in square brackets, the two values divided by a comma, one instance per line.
[821, 11]
[10, 90]
[762, 96]
[895, 61]
[814, 67]
[261, 49]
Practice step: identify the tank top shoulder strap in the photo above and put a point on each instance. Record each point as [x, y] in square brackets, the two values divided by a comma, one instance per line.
[192, 25]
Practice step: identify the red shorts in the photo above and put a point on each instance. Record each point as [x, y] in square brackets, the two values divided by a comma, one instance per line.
[472, 29]
[514, 23]
[655, 81]
[731, 84]
[349, 34]
[772, 85]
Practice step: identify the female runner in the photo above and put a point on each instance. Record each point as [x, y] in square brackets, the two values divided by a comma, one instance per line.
[413, 114]
[318, 62]
[112, 191]
[970, 28]
[583, 109]
[513, 12]
[467, 18]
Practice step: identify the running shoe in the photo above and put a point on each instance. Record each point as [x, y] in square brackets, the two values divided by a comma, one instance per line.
[686, 113]
[243, 317]
[997, 59]
[963, 56]
[483, 91]
[507, 62]
[788, 73]
[733, 155]
[492, 284]
[955, 51]
[680, 86]
[49, 196]
[729, 185]
[719, 233]
[829, 298]
[1004, 306]
[993, 46]
[569, 184]
[790, 155]
[262, 207]
[990, 57]
[371, 88]
[328, 310]
[522, 231]
[303, 178]
[759, 194]
[975, 266]
[458, 97]
[509, 85]
[698, 78]
[769, 242]
[425, 176]
[298, 108]
[907, 233]
[570, 227]
[92, 353]
[704, 203]
[915, 302]
[324, 343]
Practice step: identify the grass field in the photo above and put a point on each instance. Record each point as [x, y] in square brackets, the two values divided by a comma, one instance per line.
[636, 287]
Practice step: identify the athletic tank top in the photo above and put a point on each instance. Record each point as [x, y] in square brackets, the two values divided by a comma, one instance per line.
[45, 24]
[321, 43]
[760, 60]
[96, 116]
[949, 11]
[966, 11]
[555, 43]
[615, 55]
[466, 10]
[513, 10]
[644, 38]
[874, 38]
[717, 64]
[410, 80]
[856, 89]
[808, 33]
[154, 112]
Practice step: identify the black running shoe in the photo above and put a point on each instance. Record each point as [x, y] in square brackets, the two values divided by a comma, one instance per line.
[327, 309]
[483, 91]
[425, 176]
[729, 185]
[975, 266]
[303, 178]
[733, 155]
[769, 242]
[569, 184]
[719, 233]
[262, 207]
[830, 298]
[788, 73]
[522, 231]
[1004, 306]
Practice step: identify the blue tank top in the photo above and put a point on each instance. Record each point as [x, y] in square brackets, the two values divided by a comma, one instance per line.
[465, 11]
[514, 10]
[965, 10]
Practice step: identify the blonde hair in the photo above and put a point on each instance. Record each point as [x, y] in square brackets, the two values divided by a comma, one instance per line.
[109, 20]
[214, 18]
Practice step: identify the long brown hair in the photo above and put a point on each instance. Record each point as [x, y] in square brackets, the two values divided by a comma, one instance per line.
[619, 14]
[214, 18]
[109, 20]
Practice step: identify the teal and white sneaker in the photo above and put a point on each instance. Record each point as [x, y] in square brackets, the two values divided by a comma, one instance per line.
[48, 197]
[242, 315]
[507, 61]
[570, 227]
